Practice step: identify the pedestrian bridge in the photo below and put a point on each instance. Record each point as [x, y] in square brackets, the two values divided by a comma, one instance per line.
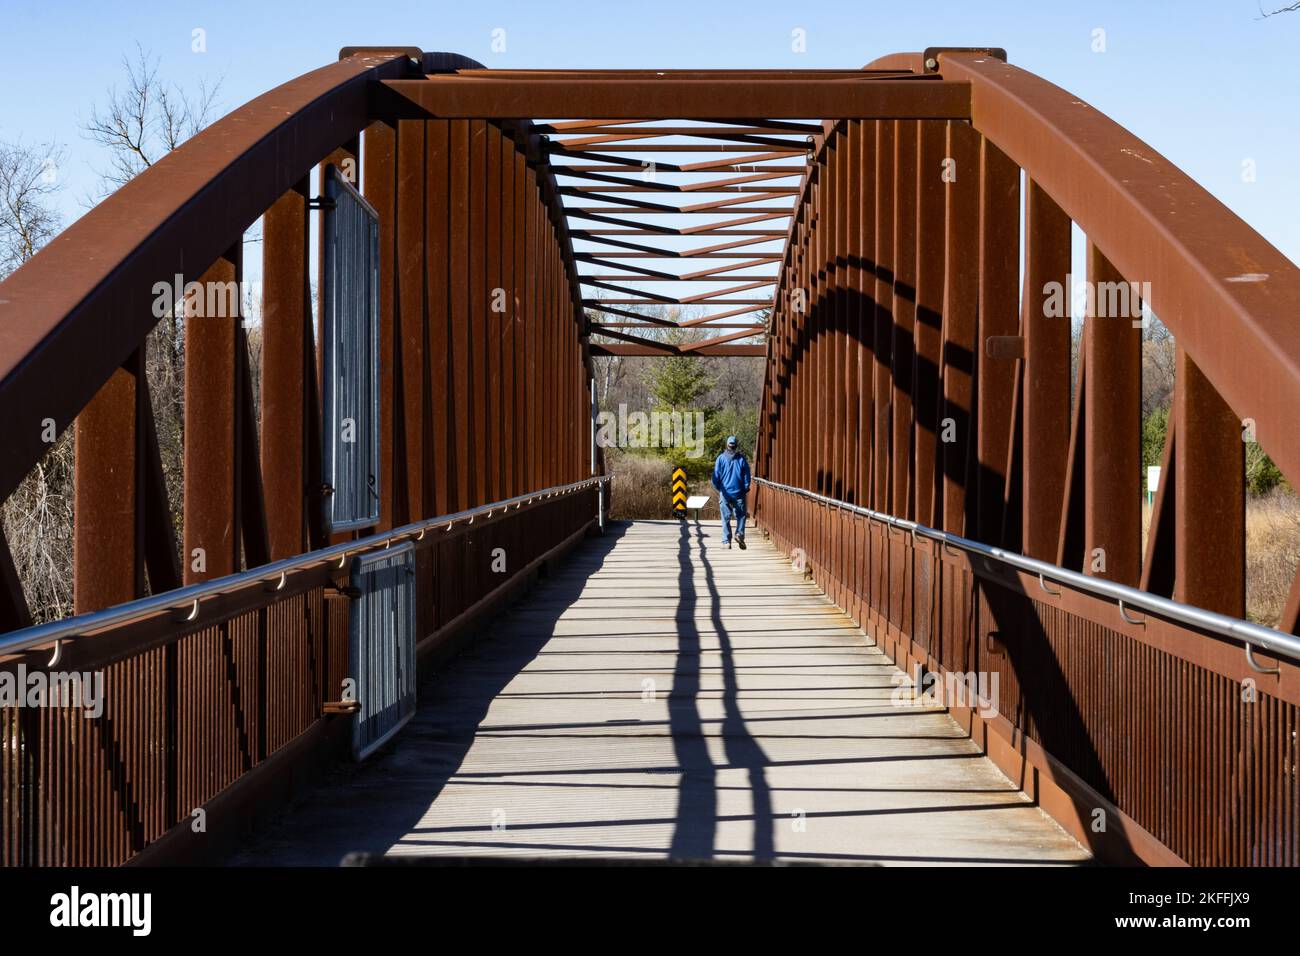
[660, 696]
[383, 609]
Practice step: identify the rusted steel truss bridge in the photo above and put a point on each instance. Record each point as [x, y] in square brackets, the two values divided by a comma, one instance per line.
[961, 484]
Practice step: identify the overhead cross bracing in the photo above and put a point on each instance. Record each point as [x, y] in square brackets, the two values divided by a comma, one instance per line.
[658, 169]
[679, 225]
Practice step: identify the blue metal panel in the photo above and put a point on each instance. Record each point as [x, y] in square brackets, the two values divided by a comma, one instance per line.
[381, 646]
[350, 345]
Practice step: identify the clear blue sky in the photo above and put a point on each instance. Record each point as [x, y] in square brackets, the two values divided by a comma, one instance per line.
[1205, 82]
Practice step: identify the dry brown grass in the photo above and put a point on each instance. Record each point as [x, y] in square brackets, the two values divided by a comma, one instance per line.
[643, 488]
[1272, 554]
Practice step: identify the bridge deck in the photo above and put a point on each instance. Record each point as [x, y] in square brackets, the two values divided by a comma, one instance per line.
[661, 695]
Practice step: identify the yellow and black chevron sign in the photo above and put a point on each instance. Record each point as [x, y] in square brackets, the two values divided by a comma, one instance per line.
[679, 491]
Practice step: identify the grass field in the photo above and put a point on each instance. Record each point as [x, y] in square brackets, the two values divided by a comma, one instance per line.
[1272, 554]
[643, 489]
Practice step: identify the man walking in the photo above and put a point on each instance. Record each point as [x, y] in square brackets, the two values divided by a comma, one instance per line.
[731, 478]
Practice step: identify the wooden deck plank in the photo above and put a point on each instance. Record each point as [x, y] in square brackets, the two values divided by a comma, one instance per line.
[662, 696]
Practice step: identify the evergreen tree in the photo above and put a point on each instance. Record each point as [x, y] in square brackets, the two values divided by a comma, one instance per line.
[678, 384]
[679, 381]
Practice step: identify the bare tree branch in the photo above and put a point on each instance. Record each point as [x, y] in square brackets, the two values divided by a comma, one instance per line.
[1265, 14]
[146, 118]
[141, 121]
[28, 180]
[37, 516]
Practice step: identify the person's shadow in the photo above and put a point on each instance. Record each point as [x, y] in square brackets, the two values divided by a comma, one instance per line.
[695, 829]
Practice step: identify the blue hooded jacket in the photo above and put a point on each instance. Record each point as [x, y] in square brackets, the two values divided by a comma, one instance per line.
[731, 475]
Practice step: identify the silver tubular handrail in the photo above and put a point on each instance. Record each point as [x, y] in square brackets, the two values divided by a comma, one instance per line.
[1267, 638]
[191, 596]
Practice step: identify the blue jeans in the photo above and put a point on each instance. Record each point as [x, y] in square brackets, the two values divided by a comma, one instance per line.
[729, 507]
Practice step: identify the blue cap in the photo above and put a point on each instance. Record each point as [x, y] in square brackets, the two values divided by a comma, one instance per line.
[731, 441]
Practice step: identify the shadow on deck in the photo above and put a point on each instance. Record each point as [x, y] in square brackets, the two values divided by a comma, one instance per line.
[660, 697]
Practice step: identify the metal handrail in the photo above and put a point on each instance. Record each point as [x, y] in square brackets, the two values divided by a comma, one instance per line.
[1267, 638]
[73, 627]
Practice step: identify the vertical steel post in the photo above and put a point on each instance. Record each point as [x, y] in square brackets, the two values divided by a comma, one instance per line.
[960, 312]
[212, 525]
[833, 381]
[1209, 507]
[285, 366]
[523, 282]
[458, 318]
[854, 258]
[999, 300]
[409, 323]
[442, 425]
[1046, 394]
[600, 489]
[1112, 432]
[492, 320]
[929, 313]
[904, 309]
[866, 179]
[885, 155]
[380, 189]
[477, 318]
[506, 321]
[108, 565]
